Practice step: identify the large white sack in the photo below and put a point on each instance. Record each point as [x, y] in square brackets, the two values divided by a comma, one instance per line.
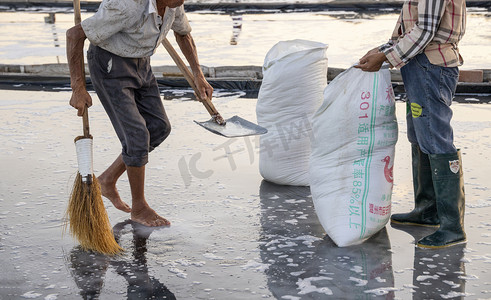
[355, 132]
[294, 78]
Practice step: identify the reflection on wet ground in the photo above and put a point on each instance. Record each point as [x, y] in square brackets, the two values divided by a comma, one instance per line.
[314, 268]
[89, 269]
[436, 274]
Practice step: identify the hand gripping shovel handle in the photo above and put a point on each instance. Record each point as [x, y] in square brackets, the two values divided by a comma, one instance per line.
[189, 77]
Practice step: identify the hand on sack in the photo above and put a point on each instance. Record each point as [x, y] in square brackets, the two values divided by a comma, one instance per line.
[372, 61]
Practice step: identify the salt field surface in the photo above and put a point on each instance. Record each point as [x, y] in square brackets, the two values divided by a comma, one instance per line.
[233, 235]
[26, 39]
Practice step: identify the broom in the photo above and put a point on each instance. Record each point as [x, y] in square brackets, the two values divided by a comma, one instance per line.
[86, 213]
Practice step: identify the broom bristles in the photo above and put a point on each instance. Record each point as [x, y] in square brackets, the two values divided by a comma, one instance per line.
[88, 219]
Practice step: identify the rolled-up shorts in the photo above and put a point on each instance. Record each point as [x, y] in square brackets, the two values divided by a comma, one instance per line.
[130, 95]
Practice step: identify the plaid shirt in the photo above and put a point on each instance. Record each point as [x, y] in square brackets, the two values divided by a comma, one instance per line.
[431, 26]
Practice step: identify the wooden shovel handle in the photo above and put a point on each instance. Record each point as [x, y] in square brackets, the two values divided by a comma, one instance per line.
[189, 77]
[85, 116]
[76, 11]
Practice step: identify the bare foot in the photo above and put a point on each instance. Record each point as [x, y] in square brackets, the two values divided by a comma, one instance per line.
[109, 191]
[148, 217]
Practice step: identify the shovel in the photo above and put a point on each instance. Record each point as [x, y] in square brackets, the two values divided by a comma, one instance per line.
[232, 127]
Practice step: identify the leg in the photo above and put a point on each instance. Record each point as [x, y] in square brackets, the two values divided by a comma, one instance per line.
[141, 211]
[152, 110]
[118, 92]
[108, 181]
[424, 212]
[118, 100]
[450, 201]
[430, 91]
[129, 93]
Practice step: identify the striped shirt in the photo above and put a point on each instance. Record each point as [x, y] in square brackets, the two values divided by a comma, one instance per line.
[434, 27]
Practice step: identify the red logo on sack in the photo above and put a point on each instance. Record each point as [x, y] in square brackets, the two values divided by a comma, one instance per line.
[388, 171]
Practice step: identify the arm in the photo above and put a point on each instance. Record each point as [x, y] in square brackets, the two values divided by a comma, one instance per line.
[188, 48]
[373, 60]
[75, 38]
[413, 41]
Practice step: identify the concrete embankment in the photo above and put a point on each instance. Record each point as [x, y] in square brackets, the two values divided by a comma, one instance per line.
[473, 83]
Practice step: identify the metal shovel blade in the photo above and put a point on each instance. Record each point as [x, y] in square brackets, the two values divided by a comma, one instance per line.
[234, 127]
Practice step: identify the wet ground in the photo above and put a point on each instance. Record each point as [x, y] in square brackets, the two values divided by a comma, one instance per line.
[233, 235]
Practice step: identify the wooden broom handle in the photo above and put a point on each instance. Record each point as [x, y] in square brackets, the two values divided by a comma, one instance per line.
[85, 115]
[189, 77]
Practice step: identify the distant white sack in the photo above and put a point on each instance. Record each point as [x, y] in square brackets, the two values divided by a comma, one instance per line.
[294, 78]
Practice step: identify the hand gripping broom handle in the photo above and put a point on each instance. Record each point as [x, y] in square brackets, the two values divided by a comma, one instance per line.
[189, 77]
[85, 116]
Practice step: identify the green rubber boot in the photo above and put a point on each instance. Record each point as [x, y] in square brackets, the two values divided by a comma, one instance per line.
[424, 212]
[448, 181]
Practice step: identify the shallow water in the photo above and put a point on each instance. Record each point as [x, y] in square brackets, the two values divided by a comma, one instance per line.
[26, 39]
[233, 235]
